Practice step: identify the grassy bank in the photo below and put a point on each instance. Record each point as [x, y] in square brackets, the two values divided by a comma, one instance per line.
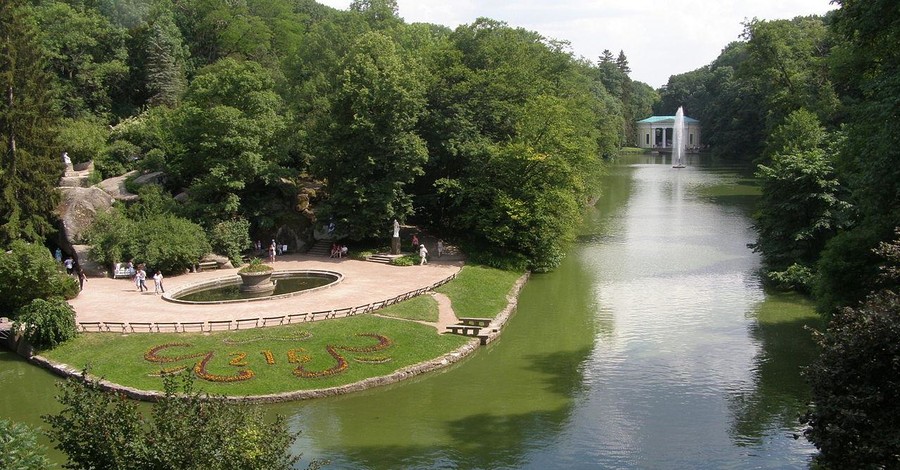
[479, 291]
[261, 361]
[306, 356]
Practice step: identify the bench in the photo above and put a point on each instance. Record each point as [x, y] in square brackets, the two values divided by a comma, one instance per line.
[207, 265]
[482, 322]
[464, 330]
[123, 272]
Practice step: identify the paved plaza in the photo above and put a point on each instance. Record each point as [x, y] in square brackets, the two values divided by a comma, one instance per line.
[109, 300]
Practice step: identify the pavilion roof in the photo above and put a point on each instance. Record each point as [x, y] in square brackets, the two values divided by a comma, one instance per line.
[667, 120]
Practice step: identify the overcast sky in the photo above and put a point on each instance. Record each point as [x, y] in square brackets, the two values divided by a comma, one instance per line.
[659, 37]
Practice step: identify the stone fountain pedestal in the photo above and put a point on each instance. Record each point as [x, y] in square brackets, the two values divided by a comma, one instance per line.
[257, 284]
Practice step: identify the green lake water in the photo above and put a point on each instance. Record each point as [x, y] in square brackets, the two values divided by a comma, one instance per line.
[653, 346]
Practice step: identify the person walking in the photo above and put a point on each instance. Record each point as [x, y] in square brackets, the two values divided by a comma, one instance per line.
[423, 253]
[440, 248]
[415, 241]
[157, 283]
[272, 249]
[141, 277]
[70, 265]
[82, 278]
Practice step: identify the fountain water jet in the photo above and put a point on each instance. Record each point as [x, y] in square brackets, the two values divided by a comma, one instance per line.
[678, 140]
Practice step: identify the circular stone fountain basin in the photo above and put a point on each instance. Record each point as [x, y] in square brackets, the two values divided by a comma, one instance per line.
[227, 289]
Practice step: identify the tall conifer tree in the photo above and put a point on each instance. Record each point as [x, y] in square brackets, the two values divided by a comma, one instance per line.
[29, 168]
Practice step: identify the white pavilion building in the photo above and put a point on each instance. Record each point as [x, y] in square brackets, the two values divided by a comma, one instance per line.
[656, 132]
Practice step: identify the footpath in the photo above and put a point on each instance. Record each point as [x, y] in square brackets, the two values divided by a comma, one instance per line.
[112, 302]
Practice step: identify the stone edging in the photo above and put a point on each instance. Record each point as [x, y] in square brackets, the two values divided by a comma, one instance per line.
[440, 362]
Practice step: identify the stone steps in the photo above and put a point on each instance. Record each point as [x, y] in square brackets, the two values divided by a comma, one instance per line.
[380, 258]
[321, 248]
[76, 181]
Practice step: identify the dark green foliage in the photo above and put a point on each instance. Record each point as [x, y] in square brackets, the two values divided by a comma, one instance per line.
[19, 449]
[29, 166]
[84, 139]
[86, 53]
[225, 137]
[847, 269]
[868, 73]
[231, 238]
[110, 237]
[119, 158]
[97, 429]
[46, 324]
[156, 238]
[168, 243]
[800, 209]
[369, 151]
[27, 272]
[406, 260]
[184, 430]
[855, 384]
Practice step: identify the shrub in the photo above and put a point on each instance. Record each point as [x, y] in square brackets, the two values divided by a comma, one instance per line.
[185, 430]
[28, 272]
[46, 323]
[83, 139]
[855, 382]
[796, 277]
[405, 260]
[19, 447]
[110, 237]
[231, 238]
[169, 243]
[119, 158]
[255, 266]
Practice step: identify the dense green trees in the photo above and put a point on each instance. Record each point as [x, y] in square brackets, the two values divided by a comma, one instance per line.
[854, 418]
[27, 272]
[29, 166]
[800, 209]
[369, 151]
[184, 430]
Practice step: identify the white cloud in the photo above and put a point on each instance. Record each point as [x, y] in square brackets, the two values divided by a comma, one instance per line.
[659, 38]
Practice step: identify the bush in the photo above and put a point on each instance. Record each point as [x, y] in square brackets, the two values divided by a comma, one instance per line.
[109, 237]
[231, 238]
[405, 260]
[855, 382]
[796, 277]
[185, 430]
[28, 272]
[120, 157]
[256, 266]
[46, 323]
[83, 139]
[168, 243]
[19, 448]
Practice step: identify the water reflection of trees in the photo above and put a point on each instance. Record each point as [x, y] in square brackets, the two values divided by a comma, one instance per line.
[779, 394]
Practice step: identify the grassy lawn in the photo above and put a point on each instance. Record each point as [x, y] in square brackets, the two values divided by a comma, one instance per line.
[479, 291]
[422, 308]
[306, 356]
[270, 360]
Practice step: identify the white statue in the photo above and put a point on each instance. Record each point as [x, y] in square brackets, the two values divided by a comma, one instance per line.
[396, 229]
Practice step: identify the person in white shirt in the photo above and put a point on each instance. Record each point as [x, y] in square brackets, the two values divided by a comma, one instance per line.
[157, 280]
[422, 254]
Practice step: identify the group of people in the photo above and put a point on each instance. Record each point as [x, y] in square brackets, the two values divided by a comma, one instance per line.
[339, 251]
[72, 268]
[274, 249]
[423, 252]
[139, 277]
